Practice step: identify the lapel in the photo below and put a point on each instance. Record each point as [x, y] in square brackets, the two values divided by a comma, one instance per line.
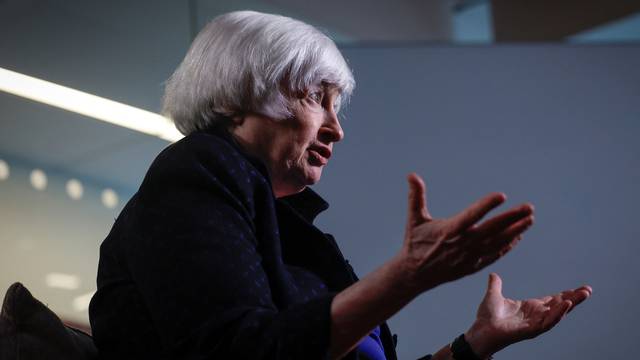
[305, 245]
[302, 243]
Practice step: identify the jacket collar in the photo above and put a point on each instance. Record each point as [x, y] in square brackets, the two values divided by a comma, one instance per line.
[224, 134]
[306, 203]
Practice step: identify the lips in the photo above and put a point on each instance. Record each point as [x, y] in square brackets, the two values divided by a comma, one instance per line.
[319, 155]
[325, 152]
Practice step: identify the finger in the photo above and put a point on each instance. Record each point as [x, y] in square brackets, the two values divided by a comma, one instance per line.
[475, 212]
[556, 314]
[495, 284]
[585, 288]
[418, 212]
[497, 246]
[546, 300]
[576, 296]
[495, 255]
[509, 246]
[509, 234]
[502, 221]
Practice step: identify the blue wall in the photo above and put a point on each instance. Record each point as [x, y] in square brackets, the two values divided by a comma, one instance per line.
[555, 125]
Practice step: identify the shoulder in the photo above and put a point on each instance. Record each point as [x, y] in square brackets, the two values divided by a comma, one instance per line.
[203, 163]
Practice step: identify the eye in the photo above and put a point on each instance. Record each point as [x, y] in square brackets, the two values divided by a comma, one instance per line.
[316, 96]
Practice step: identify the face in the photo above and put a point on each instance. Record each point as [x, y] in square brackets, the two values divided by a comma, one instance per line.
[295, 149]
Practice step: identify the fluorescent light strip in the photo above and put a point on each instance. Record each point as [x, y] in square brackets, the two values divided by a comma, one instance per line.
[89, 105]
[62, 281]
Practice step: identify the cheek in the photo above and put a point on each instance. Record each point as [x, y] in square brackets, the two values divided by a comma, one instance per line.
[297, 145]
[299, 154]
[291, 143]
[289, 153]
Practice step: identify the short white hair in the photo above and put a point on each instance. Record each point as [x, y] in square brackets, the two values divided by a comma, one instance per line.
[249, 62]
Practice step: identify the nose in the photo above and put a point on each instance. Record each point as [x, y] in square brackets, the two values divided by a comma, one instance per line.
[331, 131]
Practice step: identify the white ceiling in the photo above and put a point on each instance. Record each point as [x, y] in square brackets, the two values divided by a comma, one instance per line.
[119, 50]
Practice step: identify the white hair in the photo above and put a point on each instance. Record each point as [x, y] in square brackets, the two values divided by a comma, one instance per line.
[249, 62]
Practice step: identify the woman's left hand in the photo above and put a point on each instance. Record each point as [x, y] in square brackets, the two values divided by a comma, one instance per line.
[501, 322]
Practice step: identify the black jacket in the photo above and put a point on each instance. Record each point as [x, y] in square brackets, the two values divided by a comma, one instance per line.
[204, 263]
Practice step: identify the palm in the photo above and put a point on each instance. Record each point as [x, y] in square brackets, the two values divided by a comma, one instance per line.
[507, 321]
[519, 317]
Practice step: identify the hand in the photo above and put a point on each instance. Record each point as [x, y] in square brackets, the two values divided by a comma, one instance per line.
[436, 251]
[501, 322]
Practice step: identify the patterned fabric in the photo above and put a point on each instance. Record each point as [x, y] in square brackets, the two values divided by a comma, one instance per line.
[204, 263]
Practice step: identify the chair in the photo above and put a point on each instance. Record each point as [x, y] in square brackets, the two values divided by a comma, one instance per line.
[30, 330]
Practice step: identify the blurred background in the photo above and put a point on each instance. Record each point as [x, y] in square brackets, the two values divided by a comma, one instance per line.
[539, 99]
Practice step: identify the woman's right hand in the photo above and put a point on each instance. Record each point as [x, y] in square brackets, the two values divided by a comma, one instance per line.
[437, 251]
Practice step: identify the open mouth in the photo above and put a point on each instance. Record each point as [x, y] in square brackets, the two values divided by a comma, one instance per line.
[317, 159]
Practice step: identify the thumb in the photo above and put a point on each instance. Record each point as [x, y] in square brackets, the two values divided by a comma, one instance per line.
[418, 212]
[495, 285]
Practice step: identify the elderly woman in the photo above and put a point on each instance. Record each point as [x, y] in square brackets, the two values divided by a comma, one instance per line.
[216, 255]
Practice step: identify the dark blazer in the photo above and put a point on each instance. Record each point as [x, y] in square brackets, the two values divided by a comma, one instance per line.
[204, 263]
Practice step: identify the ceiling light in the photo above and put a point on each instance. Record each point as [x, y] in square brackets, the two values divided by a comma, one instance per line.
[4, 170]
[89, 105]
[38, 179]
[110, 198]
[62, 281]
[74, 189]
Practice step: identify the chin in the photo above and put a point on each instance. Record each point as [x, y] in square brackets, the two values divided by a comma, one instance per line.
[313, 176]
[302, 176]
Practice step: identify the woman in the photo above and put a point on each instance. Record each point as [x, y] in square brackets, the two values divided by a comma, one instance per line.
[216, 255]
